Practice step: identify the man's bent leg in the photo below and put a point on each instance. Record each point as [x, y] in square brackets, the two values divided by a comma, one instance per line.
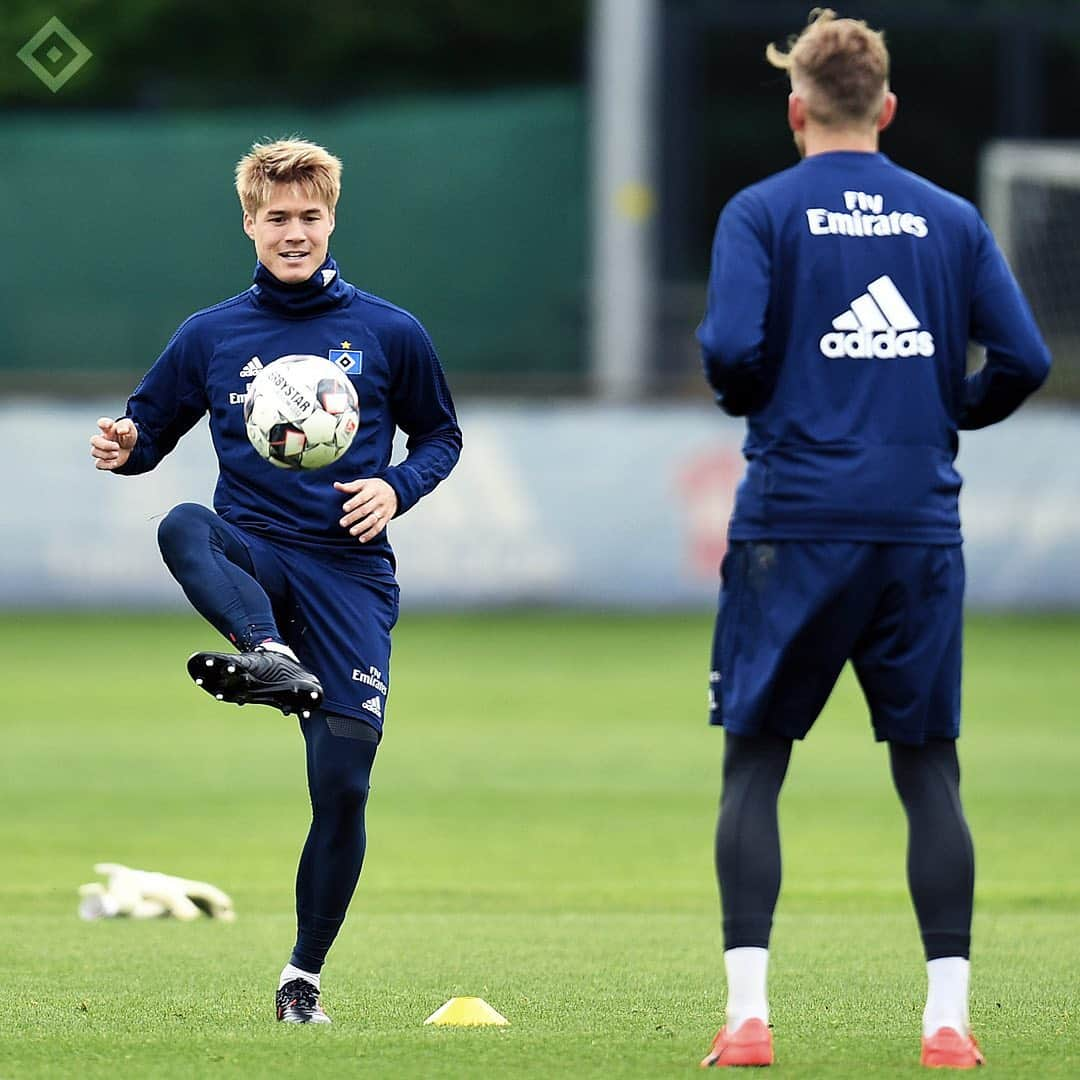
[217, 575]
[215, 569]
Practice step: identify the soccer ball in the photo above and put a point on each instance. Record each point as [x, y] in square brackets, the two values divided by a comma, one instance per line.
[301, 412]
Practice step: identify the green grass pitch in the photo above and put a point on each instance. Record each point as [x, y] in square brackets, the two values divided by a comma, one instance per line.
[540, 834]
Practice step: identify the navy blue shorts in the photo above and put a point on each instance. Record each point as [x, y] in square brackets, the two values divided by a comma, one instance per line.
[336, 614]
[792, 613]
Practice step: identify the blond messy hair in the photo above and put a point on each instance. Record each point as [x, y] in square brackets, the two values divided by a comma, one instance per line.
[840, 67]
[307, 166]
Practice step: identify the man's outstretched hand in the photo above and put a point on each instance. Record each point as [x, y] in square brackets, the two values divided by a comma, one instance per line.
[113, 446]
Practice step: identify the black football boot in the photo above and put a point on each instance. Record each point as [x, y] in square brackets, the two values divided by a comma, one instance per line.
[298, 1003]
[259, 677]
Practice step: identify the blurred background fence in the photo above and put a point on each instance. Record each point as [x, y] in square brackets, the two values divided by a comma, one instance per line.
[539, 185]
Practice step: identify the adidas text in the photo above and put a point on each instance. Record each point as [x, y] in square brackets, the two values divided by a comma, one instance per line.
[879, 324]
[373, 706]
[882, 345]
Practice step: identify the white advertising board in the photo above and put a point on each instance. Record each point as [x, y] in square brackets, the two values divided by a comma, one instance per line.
[577, 504]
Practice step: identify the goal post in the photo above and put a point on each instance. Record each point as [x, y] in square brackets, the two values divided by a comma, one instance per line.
[1030, 196]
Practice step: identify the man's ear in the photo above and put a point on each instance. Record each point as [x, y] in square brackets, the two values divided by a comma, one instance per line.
[333, 222]
[249, 225]
[888, 111]
[796, 112]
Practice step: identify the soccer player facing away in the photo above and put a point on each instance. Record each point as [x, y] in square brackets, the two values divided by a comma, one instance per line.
[842, 296]
[295, 567]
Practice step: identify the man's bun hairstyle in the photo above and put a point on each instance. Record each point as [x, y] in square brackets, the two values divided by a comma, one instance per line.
[840, 67]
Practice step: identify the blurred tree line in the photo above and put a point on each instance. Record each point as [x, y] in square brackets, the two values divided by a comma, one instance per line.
[214, 53]
[198, 53]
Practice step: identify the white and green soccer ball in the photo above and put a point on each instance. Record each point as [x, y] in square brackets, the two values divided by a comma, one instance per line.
[301, 412]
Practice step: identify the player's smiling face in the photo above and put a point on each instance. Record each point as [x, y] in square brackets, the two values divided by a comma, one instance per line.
[291, 233]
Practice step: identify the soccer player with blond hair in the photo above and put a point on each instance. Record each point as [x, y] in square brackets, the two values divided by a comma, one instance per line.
[842, 297]
[295, 567]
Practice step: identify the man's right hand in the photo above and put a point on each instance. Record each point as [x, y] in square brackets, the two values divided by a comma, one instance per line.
[113, 446]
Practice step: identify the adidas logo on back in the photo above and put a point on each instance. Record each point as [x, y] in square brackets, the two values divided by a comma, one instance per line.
[878, 324]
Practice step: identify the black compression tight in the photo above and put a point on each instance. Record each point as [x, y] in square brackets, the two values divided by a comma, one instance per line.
[748, 836]
[940, 861]
[340, 753]
[940, 858]
[214, 568]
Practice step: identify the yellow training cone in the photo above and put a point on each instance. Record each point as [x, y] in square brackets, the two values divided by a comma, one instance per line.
[466, 1012]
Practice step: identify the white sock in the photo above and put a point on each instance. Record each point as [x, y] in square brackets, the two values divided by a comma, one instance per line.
[288, 973]
[947, 995]
[276, 646]
[746, 968]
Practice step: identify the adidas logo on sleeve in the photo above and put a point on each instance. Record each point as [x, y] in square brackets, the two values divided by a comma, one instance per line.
[879, 324]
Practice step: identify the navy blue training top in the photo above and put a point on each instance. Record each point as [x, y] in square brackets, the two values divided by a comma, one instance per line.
[212, 357]
[842, 297]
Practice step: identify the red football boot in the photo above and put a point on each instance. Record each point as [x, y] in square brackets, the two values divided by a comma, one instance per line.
[948, 1049]
[749, 1044]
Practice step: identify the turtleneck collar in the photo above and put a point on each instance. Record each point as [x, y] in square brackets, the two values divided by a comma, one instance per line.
[323, 291]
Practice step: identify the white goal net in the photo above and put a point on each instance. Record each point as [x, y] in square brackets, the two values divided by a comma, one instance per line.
[1030, 195]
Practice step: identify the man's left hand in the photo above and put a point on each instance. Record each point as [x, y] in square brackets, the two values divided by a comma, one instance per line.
[372, 503]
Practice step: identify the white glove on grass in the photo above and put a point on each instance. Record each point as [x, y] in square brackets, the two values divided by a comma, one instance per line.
[146, 894]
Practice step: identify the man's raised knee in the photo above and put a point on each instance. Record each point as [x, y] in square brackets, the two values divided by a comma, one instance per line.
[181, 524]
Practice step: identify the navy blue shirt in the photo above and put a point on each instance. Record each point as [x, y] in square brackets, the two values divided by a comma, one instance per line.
[207, 366]
[842, 298]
